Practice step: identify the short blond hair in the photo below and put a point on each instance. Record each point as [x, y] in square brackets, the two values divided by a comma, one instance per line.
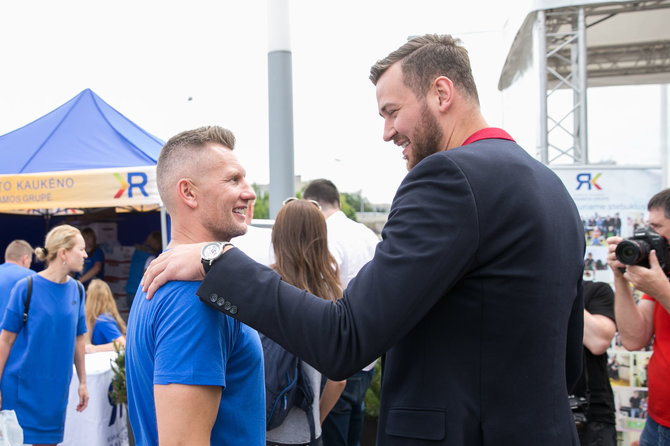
[17, 249]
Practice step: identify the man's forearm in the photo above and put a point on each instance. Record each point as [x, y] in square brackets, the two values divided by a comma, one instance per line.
[629, 319]
[598, 332]
[663, 298]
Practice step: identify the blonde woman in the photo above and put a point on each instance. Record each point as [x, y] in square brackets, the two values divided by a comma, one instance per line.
[36, 352]
[104, 324]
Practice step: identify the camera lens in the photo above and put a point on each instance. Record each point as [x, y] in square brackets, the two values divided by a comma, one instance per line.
[632, 252]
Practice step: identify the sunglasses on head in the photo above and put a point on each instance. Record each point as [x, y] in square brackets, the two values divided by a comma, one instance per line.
[290, 199]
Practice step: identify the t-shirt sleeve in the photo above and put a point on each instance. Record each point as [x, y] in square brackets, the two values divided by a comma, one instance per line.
[601, 299]
[105, 330]
[81, 321]
[98, 256]
[192, 340]
[13, 317]
[645, 296]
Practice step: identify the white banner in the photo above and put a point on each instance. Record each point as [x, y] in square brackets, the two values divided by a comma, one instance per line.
[610, 189]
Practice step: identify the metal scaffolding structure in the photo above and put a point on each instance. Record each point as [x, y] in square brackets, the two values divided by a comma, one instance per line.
[628, 43]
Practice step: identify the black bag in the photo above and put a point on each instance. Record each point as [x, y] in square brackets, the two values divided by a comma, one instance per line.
[285, 385]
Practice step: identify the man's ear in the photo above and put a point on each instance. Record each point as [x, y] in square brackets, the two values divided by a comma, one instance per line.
[26, 260]
[187, 193]
[443, 89]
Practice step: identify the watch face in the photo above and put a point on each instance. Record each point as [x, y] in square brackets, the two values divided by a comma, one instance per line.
[211, 251]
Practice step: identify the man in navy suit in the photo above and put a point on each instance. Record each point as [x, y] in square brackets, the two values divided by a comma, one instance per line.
[474, 295]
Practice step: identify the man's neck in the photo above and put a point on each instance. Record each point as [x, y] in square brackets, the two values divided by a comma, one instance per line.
[329, 211]
[468, 124]
[181, 235]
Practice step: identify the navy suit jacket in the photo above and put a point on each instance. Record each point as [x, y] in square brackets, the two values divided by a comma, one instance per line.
[474, 296]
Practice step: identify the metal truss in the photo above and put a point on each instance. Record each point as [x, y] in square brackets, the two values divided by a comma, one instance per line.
[565, 63]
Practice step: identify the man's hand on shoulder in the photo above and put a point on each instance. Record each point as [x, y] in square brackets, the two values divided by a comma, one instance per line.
[179, 263]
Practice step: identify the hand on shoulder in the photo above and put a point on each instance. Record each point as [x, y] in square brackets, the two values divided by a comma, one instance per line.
[181, 262]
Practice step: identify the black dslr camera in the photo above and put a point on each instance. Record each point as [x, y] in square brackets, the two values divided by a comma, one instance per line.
[635, 250]
[579, 406]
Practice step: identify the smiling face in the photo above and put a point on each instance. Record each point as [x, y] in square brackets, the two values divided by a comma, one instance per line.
[408, 121]
[223, 193]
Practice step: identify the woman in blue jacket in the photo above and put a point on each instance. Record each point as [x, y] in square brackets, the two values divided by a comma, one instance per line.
[36, 352]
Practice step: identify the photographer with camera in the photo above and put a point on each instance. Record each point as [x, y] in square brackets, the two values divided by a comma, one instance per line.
[592, 402]
[642, 261]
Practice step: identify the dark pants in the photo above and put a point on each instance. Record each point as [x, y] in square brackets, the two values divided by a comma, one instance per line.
[597, 434]
[343, 425]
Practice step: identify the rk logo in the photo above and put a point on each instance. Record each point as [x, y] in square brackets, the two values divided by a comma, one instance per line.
[135, 180]
[589, 180]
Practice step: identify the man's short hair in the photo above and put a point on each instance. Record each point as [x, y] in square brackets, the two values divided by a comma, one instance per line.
[661, 200]
[182, 150]
[427, 57]
[17, 249]
[323, 191]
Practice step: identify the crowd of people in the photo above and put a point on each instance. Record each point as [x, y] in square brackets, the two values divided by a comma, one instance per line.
[455, 281]
[597, 228]
[469, 288]
[50, 320]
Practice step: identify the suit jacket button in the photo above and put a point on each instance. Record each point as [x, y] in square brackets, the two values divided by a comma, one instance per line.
[213, 297]
[233, 310]
[220, 302]
[227, 306]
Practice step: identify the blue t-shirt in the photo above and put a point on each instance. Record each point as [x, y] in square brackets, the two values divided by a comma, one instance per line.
[97, 256]
[176, 339]
[36, 379]
[10, 273]
[105, 330]
[137, 262]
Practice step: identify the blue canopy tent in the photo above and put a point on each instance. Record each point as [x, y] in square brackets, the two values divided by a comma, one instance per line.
[83, 155]
[83, 133]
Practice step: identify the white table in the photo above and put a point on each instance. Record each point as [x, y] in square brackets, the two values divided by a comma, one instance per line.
[101, 423]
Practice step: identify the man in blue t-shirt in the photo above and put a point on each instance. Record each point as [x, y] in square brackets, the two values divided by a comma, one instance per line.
[194, 375]
[18, 258]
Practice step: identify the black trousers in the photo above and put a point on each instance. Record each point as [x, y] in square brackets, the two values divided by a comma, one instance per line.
[597, 434]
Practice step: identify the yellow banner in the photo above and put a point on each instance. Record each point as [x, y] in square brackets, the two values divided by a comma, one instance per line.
[115, 187]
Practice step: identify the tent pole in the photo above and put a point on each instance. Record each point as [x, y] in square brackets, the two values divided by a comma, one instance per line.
[164, 234]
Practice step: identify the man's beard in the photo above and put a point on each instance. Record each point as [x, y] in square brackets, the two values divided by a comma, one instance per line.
[426, 141]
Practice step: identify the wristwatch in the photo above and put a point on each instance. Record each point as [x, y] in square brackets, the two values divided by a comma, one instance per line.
[210, 253]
